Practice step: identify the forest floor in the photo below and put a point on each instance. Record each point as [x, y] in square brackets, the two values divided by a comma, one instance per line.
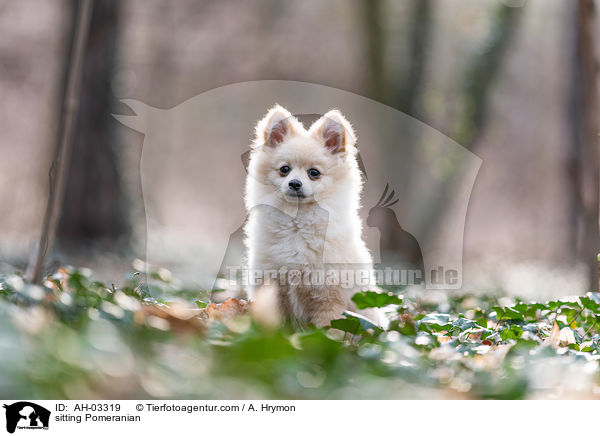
[76, 337]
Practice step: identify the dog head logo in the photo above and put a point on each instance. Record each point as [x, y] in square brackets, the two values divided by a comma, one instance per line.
[193, 179]
[26, 415]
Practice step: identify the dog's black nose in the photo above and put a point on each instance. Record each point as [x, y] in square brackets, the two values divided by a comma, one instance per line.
[295, 184]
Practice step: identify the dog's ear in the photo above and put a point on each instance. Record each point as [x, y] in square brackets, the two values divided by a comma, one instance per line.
[334, 131]
[274, 127]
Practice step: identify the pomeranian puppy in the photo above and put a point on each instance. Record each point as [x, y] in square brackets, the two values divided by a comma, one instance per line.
[303, 231]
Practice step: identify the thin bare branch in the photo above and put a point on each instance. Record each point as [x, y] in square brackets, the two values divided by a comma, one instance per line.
[60, 164]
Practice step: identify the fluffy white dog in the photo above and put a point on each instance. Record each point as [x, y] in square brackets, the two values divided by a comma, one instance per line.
[303, 231]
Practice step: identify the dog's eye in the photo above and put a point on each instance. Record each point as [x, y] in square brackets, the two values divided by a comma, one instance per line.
[284, 170]
[314, 174]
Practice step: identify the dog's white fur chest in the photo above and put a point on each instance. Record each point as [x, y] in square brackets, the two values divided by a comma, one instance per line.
[283, 240]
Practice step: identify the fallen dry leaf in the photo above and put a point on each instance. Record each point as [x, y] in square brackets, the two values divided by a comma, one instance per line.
[554, 337]
[185, 318]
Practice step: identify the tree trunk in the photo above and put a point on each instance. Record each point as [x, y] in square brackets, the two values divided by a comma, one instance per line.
[419, 37]
[583, 164]
[478, 82]
[93, 207]
[371, 12]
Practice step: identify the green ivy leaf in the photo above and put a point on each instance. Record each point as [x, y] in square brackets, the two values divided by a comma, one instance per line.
[436, 322]
[464, 323]
[374, 299]
[590, 304]
[512, 332]
[353, 323]
[554, 305]
[507, 313]
[201, 304]
[529, 310]
[349, 325]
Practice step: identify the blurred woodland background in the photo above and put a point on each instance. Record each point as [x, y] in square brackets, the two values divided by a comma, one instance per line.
[514, 81]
